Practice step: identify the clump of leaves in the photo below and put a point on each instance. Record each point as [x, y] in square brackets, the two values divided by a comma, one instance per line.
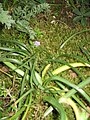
[81, 10]
[22, 14]
[30, 11]
[23, 26]
[81, 15]
[5, 18]
[21, 60]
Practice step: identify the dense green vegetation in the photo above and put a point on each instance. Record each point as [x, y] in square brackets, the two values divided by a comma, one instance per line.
[44, 60]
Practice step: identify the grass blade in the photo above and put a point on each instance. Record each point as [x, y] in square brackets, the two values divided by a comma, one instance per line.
[56, 105]
[28, 106]
[84, 61]
[73, 96]
[24, 95]
[66, 67]
[86, 30]
[15, 42]
[13, 67]
[60, 79]
[22, 88]
[18, 51]
[80, 85]
[71, 92]
[10, 60]
[17, 114]
[56, 71]
[86, 52]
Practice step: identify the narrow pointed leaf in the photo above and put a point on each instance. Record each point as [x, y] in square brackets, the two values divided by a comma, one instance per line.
[10, 60]
[56, 105]
[57, 78]
[38, 77]
[71, 92]
[17, 114]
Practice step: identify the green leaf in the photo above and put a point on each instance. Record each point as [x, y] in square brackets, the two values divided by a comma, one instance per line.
[45, 70]
[10, 60]
[80, 103]
[83, 21]
[77, 18]
[68, 66]
[15, 42]
[77, 12]
[60, 79]
[87, 14]
[38, 77]
[23, 96]
[54, 102]
[82, 10]
[11, 50]
[13, 67]
[19, 112]
[71, 93]
[5, 18]
[23, 26]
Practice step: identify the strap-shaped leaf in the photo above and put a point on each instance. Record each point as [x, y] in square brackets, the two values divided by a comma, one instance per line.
[10, 60]
[16, 42]
[54, 102]
[11, 50]
[60, 79]
[71, 93]
[19, 112]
